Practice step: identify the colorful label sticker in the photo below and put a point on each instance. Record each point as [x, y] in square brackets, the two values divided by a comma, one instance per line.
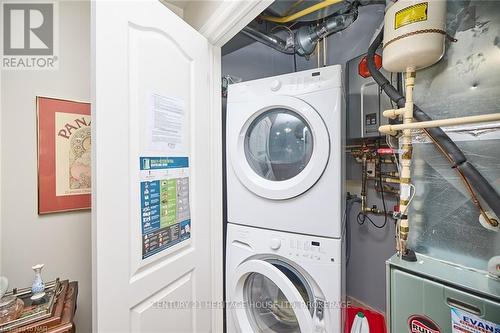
[165, 213]
[422, 324]
[412, 14]
[465, 322]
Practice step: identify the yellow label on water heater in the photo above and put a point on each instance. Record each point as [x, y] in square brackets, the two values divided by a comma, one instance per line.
[412, 14]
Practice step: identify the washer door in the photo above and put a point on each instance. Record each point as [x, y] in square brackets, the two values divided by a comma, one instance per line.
[271, 298]
[282, 149]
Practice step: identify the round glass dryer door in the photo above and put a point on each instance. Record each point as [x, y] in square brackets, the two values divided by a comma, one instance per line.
[278, 144]
[275, 296]
[270, 310]
[282, 148]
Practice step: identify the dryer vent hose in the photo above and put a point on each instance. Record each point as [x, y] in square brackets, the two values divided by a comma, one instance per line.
[437, 135]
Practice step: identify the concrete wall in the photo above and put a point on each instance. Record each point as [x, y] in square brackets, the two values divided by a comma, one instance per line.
[61, 241]
[370, 247]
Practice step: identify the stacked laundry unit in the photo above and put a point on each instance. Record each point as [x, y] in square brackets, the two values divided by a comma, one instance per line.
[284, 254]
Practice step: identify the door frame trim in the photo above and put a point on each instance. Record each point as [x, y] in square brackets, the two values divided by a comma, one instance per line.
[229, 18]
[223, 24]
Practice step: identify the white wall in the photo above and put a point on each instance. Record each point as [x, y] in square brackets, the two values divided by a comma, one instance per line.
[62, 240]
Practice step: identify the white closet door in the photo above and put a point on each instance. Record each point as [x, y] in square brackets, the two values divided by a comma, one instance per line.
[151, 86]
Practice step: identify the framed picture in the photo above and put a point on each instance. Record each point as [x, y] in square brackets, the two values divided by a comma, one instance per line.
[64, 155]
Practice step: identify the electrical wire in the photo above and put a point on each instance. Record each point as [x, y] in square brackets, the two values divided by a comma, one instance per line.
[388, 141]
[412, 195]
[347, 224]
[362, 217]
[398, 221]
[283, 27]
[382, 190]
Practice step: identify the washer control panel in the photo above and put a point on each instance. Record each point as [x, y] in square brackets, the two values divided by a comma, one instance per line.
[301, 249]
[295, 247]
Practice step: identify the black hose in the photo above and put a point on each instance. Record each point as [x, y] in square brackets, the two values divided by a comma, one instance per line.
[347, 216]
[480, 184]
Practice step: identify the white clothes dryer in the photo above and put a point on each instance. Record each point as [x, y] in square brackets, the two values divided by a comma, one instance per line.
[284, 152]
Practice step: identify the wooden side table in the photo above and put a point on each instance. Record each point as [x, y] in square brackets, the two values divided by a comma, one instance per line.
[63, 314]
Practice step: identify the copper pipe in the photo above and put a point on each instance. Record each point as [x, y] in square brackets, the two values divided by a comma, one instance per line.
[388, 189]
[386, 179]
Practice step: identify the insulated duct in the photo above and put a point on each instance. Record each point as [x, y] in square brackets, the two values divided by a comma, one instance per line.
[306, 37]
[449, 148]
[269, 40]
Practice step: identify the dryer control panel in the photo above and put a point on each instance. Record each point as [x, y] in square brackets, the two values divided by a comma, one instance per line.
[293, 84]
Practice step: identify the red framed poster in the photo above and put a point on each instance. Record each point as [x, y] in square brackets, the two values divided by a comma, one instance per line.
[64, 155]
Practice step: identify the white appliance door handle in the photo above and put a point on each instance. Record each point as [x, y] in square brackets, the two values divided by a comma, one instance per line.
[288, 289]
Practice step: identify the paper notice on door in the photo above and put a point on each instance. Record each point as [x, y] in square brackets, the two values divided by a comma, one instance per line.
[465, 322]
[167, 124]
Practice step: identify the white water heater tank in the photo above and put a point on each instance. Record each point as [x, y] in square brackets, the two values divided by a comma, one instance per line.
[414, 34]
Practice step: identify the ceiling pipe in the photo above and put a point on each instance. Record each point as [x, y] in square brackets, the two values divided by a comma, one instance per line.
[269, 40]
[306, 38]
[302, 13]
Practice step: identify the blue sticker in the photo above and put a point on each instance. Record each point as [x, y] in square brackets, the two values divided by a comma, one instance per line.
[161, 163]
[462, 321]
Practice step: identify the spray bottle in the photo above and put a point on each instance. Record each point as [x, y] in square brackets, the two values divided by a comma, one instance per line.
[360, 324]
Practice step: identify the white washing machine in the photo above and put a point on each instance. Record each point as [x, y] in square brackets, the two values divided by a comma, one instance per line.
[284, 152]
[283, 282]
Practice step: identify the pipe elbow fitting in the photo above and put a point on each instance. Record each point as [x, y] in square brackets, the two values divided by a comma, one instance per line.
[305, 44]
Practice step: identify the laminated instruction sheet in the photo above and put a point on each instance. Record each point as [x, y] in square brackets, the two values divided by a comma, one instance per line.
[165, 213]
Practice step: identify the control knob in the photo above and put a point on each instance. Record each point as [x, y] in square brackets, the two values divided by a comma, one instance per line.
[275, 244]
[275, 85]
